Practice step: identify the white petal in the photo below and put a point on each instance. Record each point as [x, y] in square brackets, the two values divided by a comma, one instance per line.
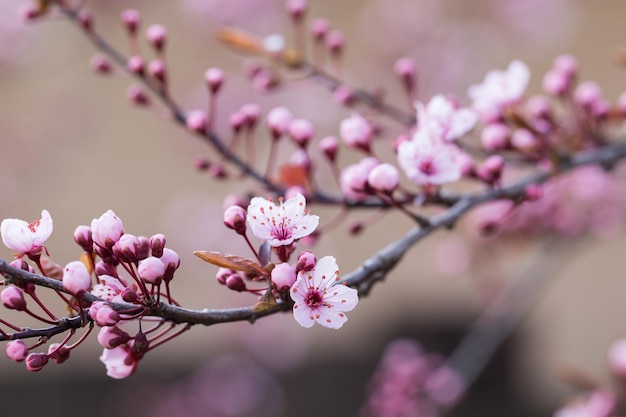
[16, 235]
[342, 298]
[43, 229]
[325, 272]
[303, 315]
[331, 318]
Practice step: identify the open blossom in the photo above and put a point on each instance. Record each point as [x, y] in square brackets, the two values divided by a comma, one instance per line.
[281, 225]
[26, 238]
[428, 160]
[453, 122]
[498, 90]
[320, 298]
[120, 362]
[109, 288]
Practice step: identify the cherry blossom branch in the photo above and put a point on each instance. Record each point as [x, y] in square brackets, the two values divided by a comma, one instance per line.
[364, 277]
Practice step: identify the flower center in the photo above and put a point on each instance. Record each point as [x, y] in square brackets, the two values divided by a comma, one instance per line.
[313, 299]
[427, 167]
[282, 231]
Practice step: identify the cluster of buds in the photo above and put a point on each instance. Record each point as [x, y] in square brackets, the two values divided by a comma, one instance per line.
[117, 280]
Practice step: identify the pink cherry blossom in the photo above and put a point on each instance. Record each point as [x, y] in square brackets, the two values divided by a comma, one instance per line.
[498, 90]
[283, 276]
[452, 121]
[120, 362]
[76, 278]
[109, 289]
[319, 297]
[356, 132]
[281, 225]
[427, 160]
[26, 238]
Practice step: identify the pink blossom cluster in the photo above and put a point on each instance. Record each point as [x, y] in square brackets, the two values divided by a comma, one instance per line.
[125, 274]
[410, 382]
[312, 285]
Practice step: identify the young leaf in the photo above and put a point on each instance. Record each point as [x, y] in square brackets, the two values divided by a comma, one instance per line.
[234, 262]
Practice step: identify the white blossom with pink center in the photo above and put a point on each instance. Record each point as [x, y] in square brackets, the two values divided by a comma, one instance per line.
[454, 122]
[319, 297]
[499, 90]
[427, 159]
[283, 224]
[26, 238]
[109, 289]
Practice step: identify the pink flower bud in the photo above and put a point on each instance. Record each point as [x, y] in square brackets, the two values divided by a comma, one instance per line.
[335, 42]
[36, 361]
[85, 18]
[214, 78]
[111, 337]
[343, 95]
[76, 278]
[197, 121]
[131, 19]
[100, 64]
[353, 179]
[278, 121]
[405, 69]
[587, 94]
[82, 236]
[30, 12]
[235, 218]
[306, 261]
[136, 65]
[329, 146]
[217, 171]
[235, 283]
[223, 274]
[129, 295]
[137, 95]
[103, 268]
[495, 136]
[356, 132]
[58, 353]
[158, 71]
[296, 8]
[319, 29]
[151, 270]
[22, 264]
[523, 139]
[251, 113]
[566, 64]
[126, 248]
[538, 107]
[171, 260]
[140, 343]
[144, 247]
[120, 361]
[533, 192]
[283, 276]
[201, 163]
[157, 36]
[16, 350]
[12, 298]
[157, 243]
[106, 230]
[384, 178]
[617, 357]
[555, 83]
[491, 169]
[236, 121]
[104, 315]
[301, 131]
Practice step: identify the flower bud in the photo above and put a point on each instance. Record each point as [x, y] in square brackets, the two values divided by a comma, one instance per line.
[126, 248]
[137, 95]
[223, 274]
[533, 192]
[85, 18]
[296, 8]
[111, 337]
[319, 29]
[105, 315]
[523, 139]
[405, 69]
[495, 136]
[158, 71]
[58, 353]
[100, 64]
[566, 64]
[151, 270]
[197, 121]
[131, 19]
[235, 218]
[329, 146]
[16, 350]
[106, 230]
[22, 264]
[491, 169]
[343, 95]
[283, 276]
[157, 243]
[356, 132]
[384, 178]
[301, 131]
[129, 295]
[141, 343]
[12, 298]
[306, 261]
[36, 361]
[235, 283]
[171, 260]
[157, 36]
[555, 83]
[251, 113]
[278, 121]
[136, 65]
[587, 94]
[214, 78]
[335, 42]
[76, 278]
[82, 236]
[104, 268]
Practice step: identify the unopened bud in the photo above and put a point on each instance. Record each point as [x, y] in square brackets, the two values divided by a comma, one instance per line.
[329, 146]
[137, 95]
[151, 270]
[36, 361]
[278, 121]
[235, 218]
[111, 337]
[157, 36]
[157, 243]
[283, 276]
[136, 65]
[235, 283]
[85, 18]
[12, 298]
[156, 68]
[384, 178]
[306, 261]
[495, 136]
[16, 350]
[58, 353]
[319, 29]
[82, 236]
[129, 295]
[197, 121]
[296, 9]
[131, 19]
[301, 131]
[100, 64]
[214, 78]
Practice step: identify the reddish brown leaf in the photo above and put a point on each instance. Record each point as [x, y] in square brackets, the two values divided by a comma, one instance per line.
[232, 261]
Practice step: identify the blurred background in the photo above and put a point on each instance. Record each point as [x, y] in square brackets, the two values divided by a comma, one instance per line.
[74, 145]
